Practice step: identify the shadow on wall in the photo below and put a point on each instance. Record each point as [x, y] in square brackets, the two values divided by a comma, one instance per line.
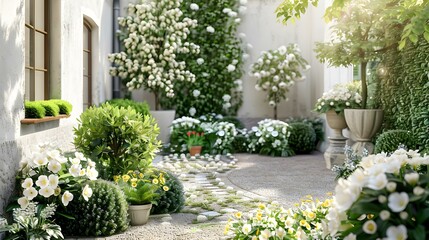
[11, 99]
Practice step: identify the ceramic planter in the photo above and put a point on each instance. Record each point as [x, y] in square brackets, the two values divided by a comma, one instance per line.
[193, 150]
[139, 214]
[364, 124]
[164, 120]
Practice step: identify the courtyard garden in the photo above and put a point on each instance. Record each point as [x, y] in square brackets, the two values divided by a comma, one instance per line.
[217, 177]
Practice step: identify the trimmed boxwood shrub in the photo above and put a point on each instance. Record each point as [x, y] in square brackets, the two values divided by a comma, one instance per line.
[104, 214]
[315, 123]
[34, 110]
[65, 106]
[390, 140]
[302, 138]
[170, 201]
[118, 139]
[140, 107]
[51, 108]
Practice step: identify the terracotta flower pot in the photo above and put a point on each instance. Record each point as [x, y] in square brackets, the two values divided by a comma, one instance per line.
[193, 150]
[139, 214]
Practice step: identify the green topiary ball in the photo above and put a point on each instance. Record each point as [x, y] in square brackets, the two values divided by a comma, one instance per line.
[302, 138]
[171, 201]
[140, 107]
[390, 140]
[104, 214]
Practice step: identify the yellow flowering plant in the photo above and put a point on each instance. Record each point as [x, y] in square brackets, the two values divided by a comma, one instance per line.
[304, 221]
[142, 187]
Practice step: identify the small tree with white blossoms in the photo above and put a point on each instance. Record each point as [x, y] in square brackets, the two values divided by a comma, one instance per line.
[153, 35]
[277, 70]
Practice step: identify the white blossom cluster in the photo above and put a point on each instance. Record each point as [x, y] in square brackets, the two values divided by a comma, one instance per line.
[269, 133]
[184, 122]
[277, 70]
[224, 133]
[342, 96]
[395, 186]
[153, 34]
[42, 171]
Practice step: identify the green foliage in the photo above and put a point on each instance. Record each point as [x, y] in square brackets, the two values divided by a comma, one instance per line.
[390, 140]
[104, 214]
[140, 107]
[179, 129]
[65, 106]
[170, 201]
[302, 138]
[315, 123]
[51, 108]
[216, 88]
[404, 91]
[118, 139]
[241, 141]
[34, 110]
[33, 222]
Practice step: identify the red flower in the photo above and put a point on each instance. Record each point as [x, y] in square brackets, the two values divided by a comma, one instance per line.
[188, 133]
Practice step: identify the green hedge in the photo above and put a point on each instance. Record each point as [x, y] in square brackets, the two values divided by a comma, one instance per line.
[404, 92]
[140, 107]
[34, 110]
[53, 107]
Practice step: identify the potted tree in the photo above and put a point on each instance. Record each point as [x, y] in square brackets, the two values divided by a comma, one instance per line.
[359, 38]
[153, 35]
[141, 191]
[276, 71]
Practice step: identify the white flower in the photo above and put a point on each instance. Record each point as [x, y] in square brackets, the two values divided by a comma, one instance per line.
[280, 232]
[74, 170]
[221, 133]
[23, 202]
[384, 215]
[91, 173]
[46, 191]
[418, 190]
[397, 233]
[28, 182]
[230, 68]
[226, 10]
[53, 181]
[243, 2]
[79, 156]
[246, 228]
[378, 182]
[196, 93]
[210, 29]
[382, 199]
[369, 227]
[391, 186]
[200, 61]
[265, 235]
[54, 166]
[75, 161]
[66, 198]
[272, 103]
[40, 159]
[274, 133]
[226, 98]
[86, 192]
[91, 163]
[30, 193]
[42, 181]
[351, 236]
[194, 7]
[412, 178]
[403, 215]
[192, 111]
[397, 202]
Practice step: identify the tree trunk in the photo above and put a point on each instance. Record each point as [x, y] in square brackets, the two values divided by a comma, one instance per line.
[275, 112]
[156, 100]
[364, 84]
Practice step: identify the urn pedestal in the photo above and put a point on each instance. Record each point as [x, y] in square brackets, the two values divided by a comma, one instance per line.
[334, 154]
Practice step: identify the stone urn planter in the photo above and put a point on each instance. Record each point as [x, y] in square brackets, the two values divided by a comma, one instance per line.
[364, 124]
[334, 154]
[194, 150]
[139, 214]
[164, 119]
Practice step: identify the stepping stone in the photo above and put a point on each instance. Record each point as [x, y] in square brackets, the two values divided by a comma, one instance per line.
[228, 210]
[202, 218]
[210, 214]
[165, 223]
[166, 219]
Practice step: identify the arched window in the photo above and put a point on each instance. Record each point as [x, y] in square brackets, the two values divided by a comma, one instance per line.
[87, 69]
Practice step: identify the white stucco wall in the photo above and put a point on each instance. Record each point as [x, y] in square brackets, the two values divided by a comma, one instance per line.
[66, 65]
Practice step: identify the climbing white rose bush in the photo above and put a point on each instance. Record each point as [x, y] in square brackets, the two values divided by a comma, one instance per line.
[153, 35]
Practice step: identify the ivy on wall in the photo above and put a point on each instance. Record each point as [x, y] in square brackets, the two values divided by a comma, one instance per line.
[217, 68]
[404, 92]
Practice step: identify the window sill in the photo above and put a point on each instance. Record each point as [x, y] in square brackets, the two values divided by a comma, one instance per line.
[40, 120]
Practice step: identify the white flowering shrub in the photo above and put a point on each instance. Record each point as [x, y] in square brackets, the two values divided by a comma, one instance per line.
[218, 86]
[153, 35]
[385, 198]
[220, 136]
[270, 137]
[277, 70]
[178, 133]
[342, 96]
[48, 176]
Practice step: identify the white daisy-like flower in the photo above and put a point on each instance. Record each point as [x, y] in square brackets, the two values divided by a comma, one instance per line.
[30, 193]
[86, 192]
[210, 29]
[230, 68]
[28, 182]
[200, 61]
[397, 202]
[46, 191]
[192, 111]
[194, 7]
[66, 198]
[42, 181]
